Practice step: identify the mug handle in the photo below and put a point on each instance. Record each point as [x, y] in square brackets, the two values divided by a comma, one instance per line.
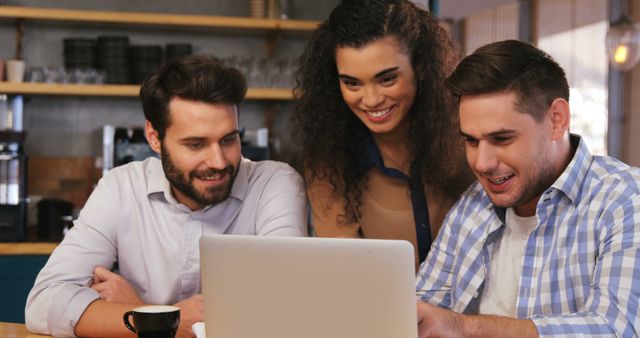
[125, 318]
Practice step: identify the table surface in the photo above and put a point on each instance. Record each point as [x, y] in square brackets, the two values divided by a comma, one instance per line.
[13, 330]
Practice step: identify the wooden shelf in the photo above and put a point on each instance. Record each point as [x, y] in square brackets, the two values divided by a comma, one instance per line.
[135, 18]
[27, 88]
[158, 19]
[68, 89]
[27, 248]
[269, 94]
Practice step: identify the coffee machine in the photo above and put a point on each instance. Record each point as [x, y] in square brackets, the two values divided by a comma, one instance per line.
[121, 145]
[13, 170]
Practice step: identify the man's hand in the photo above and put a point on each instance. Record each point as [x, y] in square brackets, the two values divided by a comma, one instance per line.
[434, 321]
[191, 311]
[113, 288]
[437, 322]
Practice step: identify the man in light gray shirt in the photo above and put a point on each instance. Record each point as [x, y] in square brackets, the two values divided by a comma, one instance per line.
[136, 239]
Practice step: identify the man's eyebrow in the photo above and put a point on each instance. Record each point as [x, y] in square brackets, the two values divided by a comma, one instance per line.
[202, 138]
[501, 132]
[233, 132]
[497, 133]
[192, 138]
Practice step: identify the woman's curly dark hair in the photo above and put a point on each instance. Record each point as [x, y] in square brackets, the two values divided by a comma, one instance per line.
[333, 138]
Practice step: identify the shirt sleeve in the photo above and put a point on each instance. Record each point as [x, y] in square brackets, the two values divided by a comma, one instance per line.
[282, 208]
[327, 211]
[434, 278]
[61, 292]
[613, 303]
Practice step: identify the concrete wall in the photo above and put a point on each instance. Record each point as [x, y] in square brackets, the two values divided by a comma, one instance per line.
[66, 126]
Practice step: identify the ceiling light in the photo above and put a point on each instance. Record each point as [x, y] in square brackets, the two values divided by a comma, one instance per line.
[623, 44]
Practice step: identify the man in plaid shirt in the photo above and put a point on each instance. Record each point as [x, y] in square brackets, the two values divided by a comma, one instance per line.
[547, 242]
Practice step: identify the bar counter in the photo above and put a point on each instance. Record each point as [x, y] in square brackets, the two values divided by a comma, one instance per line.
[27, 248]
[13, 330]
[20, 263]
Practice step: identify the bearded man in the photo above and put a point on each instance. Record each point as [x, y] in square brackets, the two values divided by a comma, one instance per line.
[136, 240]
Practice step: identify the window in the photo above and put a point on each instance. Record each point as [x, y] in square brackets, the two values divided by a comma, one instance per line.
[500, 23]
[572, 32]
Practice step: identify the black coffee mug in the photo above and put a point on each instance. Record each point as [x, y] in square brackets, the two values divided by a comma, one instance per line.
[153, 321]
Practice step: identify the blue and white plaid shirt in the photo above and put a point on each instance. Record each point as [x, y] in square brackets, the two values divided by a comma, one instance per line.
[581, 271]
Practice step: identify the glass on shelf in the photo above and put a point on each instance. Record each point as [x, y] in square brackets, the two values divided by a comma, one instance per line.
[264, 72]
[65, 75]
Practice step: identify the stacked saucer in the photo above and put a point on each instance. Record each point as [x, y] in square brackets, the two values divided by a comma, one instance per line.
[79, 53]
[174, 50]
[144, 59]
[113, 58]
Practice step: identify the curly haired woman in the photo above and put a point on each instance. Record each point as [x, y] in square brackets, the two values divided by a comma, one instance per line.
[381, 146]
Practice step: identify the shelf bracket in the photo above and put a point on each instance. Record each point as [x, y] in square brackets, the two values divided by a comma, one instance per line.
[273, 40]
[270, 113]
[20, 24]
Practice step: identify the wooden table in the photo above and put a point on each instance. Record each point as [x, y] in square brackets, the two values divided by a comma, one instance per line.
[12, 330]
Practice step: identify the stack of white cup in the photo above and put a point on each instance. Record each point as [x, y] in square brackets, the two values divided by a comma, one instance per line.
[257, 8]
[15, 70]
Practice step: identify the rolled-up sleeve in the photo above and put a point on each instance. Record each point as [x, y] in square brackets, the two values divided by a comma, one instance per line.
[61, 292]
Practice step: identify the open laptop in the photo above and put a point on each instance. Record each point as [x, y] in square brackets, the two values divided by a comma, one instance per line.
[292, 287]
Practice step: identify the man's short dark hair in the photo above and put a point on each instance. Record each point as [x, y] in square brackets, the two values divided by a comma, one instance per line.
[515, 66]
[196, 77]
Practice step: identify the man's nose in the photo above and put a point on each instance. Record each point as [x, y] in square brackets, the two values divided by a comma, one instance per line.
[215, 158]
[486, 159]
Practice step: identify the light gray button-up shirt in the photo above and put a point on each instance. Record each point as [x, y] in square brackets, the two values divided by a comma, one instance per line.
[133, 220]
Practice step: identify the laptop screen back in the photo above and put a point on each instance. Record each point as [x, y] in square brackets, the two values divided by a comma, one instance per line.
[286, 287]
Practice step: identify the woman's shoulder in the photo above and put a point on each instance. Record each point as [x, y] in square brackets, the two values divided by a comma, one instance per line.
[322, 180]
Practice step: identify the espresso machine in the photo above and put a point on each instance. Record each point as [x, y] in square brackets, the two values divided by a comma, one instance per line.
[13, 170]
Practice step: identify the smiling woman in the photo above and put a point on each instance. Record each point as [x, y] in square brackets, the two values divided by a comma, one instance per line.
[378, 84]
[378, 130]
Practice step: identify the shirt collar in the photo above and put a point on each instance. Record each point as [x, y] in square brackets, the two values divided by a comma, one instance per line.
[241, 183]
[571, 179]
[157, 181]
[573, 176]
[372, 154]
[373, 158]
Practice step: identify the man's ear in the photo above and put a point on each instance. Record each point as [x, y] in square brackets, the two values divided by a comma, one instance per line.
[152, 137]
[560, 115]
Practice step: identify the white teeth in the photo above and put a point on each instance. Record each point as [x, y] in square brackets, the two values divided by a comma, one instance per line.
[214, 177]
[378, 113]
[500, 180]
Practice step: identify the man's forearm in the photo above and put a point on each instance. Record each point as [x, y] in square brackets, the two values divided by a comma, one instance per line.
[495, 326]
[104, 319]
[434, 321]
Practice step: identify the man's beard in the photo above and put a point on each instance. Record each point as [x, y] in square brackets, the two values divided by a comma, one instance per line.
[211, 195]
[538, 177]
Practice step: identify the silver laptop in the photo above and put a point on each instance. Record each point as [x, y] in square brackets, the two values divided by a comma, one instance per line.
[287, 287]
